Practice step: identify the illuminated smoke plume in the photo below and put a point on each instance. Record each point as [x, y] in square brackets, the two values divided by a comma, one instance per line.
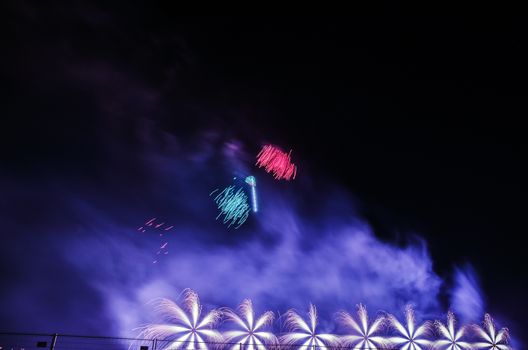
[466, 297]
[276, 161]
[233, 205]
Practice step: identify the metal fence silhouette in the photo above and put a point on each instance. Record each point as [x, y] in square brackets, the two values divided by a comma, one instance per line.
[36, 341]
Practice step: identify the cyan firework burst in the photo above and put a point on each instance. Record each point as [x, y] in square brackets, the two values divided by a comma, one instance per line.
[233, 204]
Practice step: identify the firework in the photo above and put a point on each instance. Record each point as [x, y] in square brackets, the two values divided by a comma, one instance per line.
[410, 337]
[251, 335]
[451, 338]
[364, 337]
[233, 205]
[491, 339]
[252, 182]
[153, 225]
[186, 328]
[276, 161]
[149, 222]
[306, 333]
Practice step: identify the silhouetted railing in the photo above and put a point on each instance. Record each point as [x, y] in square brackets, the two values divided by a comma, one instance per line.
[36, 341]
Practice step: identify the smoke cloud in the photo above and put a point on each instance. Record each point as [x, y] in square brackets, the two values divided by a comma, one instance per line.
[286, 256]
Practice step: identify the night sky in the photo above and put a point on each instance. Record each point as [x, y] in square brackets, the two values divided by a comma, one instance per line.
[413, 122]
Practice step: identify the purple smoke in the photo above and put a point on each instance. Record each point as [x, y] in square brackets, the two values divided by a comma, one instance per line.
[77, 264]
[286, 256]
[466, 297]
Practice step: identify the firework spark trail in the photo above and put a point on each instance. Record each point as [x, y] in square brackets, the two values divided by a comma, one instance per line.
[252, 182]
[452, 338]
[491, 338]
[411, 337]
[233, 205]
[364, 337]
[152, 225]
[306, 332]
[251, 335]
[185, 327]
[276, 161]
[149, 222]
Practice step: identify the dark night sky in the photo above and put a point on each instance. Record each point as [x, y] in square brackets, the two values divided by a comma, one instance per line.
[420, 117]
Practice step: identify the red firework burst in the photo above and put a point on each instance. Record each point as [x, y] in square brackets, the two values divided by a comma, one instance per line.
[276, 161]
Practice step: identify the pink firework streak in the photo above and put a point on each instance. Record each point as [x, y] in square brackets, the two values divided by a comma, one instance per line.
[276, 161]
[151, 225]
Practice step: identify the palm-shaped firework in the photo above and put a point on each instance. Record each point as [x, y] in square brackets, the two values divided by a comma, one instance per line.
[305, 333]
[251, 334]
[451, 337]
[186, 328]
[410, 337]
[491, 339]
[364, 332]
